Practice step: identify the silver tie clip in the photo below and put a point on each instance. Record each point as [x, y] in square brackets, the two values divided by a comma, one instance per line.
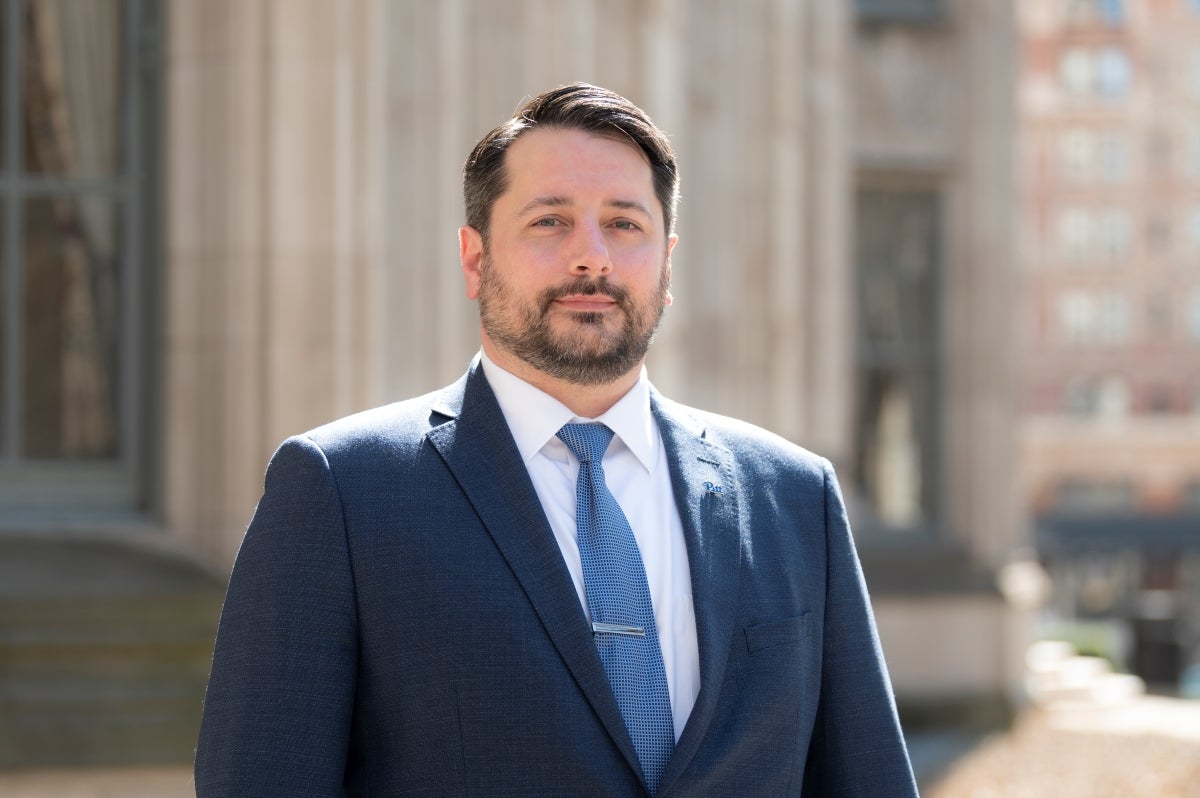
[618, 629]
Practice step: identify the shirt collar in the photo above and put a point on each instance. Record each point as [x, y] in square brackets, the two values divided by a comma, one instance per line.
[535, 417]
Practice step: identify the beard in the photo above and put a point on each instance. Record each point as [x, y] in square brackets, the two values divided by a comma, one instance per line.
[588, 353]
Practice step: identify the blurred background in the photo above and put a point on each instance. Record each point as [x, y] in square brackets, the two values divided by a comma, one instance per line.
[953, 245]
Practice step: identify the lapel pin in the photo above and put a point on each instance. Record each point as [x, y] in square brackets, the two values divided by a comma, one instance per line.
[711, 488]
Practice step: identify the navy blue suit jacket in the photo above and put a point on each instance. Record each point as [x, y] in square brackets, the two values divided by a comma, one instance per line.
[400, 621]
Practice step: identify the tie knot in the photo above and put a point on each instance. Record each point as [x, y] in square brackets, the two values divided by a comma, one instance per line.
[588, 442]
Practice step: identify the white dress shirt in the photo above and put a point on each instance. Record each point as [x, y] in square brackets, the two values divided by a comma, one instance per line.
[635, 467]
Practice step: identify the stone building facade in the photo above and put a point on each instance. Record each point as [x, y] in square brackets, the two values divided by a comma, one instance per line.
[844, 275]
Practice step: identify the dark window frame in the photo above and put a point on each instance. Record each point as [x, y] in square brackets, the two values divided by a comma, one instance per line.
[37, 489]
[926, 356]
[900, 12]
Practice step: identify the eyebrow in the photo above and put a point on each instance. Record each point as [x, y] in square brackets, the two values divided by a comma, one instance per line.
[559, 202]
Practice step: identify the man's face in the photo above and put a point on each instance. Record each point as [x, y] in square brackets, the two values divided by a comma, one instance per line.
[575, 274]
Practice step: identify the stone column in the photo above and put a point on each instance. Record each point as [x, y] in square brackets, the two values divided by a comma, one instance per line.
[271, 251]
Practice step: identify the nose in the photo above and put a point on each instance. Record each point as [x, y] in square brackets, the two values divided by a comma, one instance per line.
[590, 254]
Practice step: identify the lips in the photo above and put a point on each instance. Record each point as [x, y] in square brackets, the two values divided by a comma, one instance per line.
[585, 296]
[586, 302]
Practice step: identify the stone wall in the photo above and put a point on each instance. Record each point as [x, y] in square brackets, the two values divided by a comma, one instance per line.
[314, 157]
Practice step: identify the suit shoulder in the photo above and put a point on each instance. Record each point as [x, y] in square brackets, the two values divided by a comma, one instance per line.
[746, 441]
[397, 424]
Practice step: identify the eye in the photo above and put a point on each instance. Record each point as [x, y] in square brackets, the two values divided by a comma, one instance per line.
[626, 224]
[546, 221]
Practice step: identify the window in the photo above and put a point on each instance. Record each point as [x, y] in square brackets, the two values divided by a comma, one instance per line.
[1113, 398]
[1090, 236]
[1113, 157]
[1113, 234]
[1090, 156]
[897, 374]
[1077, 153]
[1159, 150]
[75, 157]
[1158, 313]
[1095, 73]
[1108, 12]
[1112, 319]
[1075, 233]
[1081, 397]
[1193, 230]
[1193, 316]
[1112, 72]
[1077, 316]
[1077, 70]
[1111, 11]
[1094, 319]
[1158, 400]
[1158, 233]
[1108, 397]
[1192, 148]
[920, 12]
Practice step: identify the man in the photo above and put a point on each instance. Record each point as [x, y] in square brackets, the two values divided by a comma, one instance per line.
[477, 592]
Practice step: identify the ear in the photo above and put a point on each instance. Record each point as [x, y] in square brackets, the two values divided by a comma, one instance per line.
[672, 240]
[470, 255]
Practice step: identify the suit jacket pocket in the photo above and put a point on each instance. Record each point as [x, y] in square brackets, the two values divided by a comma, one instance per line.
[776, 633]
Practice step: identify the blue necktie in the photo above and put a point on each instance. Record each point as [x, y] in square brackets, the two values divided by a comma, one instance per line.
[618, 598]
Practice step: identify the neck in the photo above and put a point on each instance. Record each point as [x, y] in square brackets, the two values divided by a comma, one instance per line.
[588, 401]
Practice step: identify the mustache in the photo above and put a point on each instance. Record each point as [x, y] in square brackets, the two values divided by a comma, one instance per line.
[585, 286]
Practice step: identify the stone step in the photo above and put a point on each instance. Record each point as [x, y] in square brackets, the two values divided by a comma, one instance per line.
[107, 621]
[1055, 674]
[104, 653]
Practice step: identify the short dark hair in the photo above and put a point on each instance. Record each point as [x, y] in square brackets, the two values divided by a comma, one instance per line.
[577, 106]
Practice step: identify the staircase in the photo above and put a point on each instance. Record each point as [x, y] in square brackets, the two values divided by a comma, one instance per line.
[1055, 674]
[104, 652]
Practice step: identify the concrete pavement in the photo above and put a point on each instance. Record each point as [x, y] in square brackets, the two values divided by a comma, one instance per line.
[148, 782]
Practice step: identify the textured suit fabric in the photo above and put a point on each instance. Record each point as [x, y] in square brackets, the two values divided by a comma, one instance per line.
[400, 621]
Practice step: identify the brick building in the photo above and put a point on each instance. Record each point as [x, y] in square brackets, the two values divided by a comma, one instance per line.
[1109, 107]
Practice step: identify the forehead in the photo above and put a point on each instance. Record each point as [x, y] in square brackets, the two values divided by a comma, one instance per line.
[567, 162]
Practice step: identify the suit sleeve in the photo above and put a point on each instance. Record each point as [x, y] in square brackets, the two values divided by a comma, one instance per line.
[857, 749]
[278, 708]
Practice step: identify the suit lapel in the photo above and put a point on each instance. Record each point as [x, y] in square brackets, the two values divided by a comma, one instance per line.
[478, 448]
[703, 480]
